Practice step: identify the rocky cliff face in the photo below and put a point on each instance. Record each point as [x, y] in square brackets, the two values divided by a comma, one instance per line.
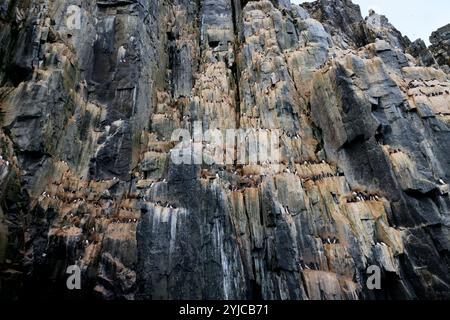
[91, 92]
[440, 47]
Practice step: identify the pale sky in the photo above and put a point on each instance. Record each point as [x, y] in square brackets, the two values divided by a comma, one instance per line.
[414, 18]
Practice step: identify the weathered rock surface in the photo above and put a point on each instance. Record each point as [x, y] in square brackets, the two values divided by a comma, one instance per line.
[440, 46]
[419, 50]
[91, 92]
